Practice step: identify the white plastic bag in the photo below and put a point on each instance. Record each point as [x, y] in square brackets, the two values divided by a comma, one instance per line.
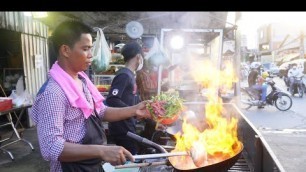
[24, 98]
[13, 95]
[101, 53]
[156, 56]
[19, 86]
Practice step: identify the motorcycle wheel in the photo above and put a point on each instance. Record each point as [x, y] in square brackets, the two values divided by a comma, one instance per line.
[245, 101]
[283, 103]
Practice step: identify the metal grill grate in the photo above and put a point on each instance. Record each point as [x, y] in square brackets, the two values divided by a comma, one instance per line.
[240, 166]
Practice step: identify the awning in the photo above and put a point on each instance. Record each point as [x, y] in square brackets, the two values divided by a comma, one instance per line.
[288, 58]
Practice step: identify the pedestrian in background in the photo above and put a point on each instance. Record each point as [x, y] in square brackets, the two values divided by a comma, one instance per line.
[123, 93]
[147, 89]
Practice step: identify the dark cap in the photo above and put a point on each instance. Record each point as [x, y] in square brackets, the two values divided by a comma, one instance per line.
[130, 50]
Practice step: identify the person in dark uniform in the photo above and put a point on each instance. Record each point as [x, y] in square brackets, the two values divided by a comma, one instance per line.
[123, 93]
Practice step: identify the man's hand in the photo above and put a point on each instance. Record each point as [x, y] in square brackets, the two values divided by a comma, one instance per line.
[141, 111]
[116, 155]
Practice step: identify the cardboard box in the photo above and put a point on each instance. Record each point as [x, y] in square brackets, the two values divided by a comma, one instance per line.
[6, 103]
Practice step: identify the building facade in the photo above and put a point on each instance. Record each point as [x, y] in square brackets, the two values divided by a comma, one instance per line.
[280, 42]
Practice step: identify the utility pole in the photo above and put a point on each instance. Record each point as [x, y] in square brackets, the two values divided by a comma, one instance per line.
[302, 45]
[237, 57]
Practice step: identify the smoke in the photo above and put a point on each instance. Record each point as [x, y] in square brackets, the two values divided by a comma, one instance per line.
[154, 21]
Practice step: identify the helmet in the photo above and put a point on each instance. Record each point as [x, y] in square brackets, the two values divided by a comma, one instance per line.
[265, 75]
[255, 65]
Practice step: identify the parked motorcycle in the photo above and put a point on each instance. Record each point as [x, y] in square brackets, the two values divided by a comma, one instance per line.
[298, 86]
[250, 97]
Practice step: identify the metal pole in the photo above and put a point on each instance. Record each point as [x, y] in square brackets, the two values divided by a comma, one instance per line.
[302, 45]
[237, 57]
[160, 69]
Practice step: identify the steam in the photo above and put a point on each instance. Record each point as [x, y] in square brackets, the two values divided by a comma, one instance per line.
[153, 21]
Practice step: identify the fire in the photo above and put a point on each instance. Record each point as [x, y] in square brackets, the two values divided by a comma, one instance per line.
[209, 77]
[218, 141]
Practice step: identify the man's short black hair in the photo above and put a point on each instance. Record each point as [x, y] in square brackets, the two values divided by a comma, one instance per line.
[68, 33]
[130, 50]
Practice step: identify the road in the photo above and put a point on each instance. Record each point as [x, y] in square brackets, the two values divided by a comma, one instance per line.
[285, 132]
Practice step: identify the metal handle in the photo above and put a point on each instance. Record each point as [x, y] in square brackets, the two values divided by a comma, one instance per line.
[145, 164]
[146, 141]
[139, 138]
[160, 155]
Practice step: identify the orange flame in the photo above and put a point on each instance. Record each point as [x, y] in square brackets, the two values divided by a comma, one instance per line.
[219, 140]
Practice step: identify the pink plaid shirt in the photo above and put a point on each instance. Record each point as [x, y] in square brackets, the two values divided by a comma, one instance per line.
[57, 121]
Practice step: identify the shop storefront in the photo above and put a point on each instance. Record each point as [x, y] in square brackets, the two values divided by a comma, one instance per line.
[23, 53]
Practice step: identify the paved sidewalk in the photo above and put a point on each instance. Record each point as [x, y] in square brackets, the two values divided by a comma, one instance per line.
[289, 148]
[26, 160]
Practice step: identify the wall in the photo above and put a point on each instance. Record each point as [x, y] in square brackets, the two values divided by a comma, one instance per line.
[33, 42]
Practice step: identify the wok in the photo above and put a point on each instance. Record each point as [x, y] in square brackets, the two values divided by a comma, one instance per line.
[221, 166]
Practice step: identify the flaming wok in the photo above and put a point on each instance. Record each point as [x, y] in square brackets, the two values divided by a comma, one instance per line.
[219, 166]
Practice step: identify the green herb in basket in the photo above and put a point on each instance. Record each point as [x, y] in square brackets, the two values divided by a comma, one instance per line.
[165, 106]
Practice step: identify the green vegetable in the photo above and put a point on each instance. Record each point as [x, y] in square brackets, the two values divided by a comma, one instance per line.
[165, 105]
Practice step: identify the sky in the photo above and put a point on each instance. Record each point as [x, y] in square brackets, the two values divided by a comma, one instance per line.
[251, 21]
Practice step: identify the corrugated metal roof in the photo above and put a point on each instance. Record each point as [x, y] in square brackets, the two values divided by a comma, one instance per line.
[114, 22]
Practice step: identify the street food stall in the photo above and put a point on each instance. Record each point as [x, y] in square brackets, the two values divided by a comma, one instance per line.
[250, 151]
[204, 78]
[220, 132]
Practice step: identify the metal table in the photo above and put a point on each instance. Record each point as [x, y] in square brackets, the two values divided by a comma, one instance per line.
[9, 140]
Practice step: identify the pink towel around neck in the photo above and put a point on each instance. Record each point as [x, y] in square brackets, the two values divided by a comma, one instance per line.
[75, 96]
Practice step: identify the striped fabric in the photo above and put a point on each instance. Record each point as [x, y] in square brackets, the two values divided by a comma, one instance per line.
[146, 86]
